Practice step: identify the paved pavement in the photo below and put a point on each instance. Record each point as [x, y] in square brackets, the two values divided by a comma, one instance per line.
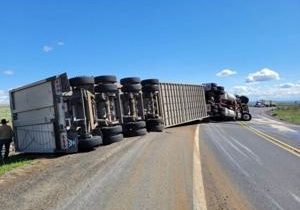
[261, 172]
[286, 132]
[243, 166]
[150, 172]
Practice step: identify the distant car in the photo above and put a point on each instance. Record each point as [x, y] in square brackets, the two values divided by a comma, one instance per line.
[258, 104]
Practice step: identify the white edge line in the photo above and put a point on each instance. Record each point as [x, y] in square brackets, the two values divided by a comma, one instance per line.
[295, 197]
[199, 201]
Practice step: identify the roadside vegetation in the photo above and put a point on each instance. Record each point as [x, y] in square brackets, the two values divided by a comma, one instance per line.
[5, 113]
[288, 112]
[14, 161]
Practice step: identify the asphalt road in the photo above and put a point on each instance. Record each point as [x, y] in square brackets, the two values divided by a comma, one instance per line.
[286, 132]
[259, 172]
[150, 172]
[240, 166]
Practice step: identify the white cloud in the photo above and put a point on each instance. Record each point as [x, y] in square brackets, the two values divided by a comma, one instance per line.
[288, 91]
[8, 72]
[60, 43]
[240, 89]
[47, 48]
[4, 99]
[287, 85]
[226, 73]
[264, 74]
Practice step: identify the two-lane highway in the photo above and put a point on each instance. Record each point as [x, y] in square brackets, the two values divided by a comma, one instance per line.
[241, 166]
[254, 171]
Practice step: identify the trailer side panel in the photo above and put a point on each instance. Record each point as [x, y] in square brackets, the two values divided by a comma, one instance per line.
[182, 103]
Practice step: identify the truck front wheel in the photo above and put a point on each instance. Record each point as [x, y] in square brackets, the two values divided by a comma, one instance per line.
[246, 116]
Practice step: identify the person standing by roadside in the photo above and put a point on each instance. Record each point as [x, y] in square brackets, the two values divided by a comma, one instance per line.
[6, 135]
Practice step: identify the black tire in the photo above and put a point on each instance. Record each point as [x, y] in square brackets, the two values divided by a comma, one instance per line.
[214, 89]
[223, 114]
[105, 79]
[214, 106]
[221, 109]
[83, 80]
[244, 99]
[150, 116]
[112, 139]
[213, 84]
[127, 119]
[246, 116]
[215, 110]
[139, 132]
[109, 131]
[150, 82]
[134, 125]
[154, 122]
[102, 88]
[150, 88]
[130, 80]
[221, 92]
[156, 128]
[132, 88]
[208, 94]
[220, 87]
[89, 143]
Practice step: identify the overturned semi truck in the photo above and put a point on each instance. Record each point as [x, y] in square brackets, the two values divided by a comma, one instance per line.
[224, 106]
[62, 115]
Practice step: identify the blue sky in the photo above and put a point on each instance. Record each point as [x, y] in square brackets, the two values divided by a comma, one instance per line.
[176, 41]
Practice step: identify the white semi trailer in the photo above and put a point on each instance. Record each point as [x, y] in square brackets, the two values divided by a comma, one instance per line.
[61, 115]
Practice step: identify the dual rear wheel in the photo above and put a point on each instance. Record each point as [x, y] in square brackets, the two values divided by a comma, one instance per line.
[155, 124]
[137, 128]
[112, 134]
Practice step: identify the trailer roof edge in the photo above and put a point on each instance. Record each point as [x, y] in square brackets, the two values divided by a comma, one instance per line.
[38, 82]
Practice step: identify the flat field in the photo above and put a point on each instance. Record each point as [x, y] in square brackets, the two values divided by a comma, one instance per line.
[289, 113]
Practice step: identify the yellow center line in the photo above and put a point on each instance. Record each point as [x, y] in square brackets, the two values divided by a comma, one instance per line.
[281, 144]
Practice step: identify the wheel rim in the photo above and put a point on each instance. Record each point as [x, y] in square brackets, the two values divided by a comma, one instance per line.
[246, 117]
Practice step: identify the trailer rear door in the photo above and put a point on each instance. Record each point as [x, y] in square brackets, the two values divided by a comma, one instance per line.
[38, 117]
